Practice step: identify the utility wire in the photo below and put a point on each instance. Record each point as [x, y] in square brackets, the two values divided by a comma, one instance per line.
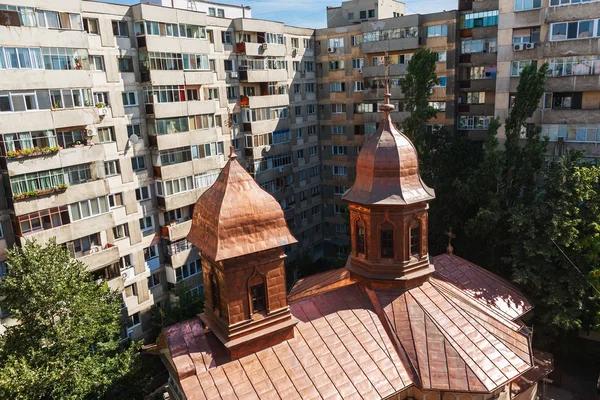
[575, 266]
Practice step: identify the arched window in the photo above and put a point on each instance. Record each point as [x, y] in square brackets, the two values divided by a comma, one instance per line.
[360, 239]
[214, 291]
[257, 296]
[415, 241]
[387, 242]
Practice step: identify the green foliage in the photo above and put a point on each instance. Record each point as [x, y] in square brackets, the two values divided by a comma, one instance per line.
[67, 345]
[416, 86]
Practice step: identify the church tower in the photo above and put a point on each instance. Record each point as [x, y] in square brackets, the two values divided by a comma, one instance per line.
[240, 231]
[388, 206]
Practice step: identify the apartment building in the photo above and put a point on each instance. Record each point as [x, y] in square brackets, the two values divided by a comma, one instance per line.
[114, 119]
[477, 66]
[354, 59]
[566, 34]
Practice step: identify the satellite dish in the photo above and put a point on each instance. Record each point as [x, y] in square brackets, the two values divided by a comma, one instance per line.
[134, 139]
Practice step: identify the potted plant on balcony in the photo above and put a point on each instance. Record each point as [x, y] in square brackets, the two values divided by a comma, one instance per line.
[77, 62]
[100, 105]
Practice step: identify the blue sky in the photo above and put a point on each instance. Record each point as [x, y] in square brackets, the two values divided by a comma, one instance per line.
[311, 13]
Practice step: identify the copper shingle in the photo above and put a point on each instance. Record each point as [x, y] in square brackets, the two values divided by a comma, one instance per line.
[387, 168]
[436, 336]
[235, 216]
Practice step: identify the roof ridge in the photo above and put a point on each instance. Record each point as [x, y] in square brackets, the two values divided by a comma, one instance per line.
[413, 333]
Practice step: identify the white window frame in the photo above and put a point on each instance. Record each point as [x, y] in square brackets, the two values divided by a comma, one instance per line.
[127, 98]
[143, 196]
[147, 223]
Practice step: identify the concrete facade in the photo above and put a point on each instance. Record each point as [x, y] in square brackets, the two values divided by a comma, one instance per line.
[115, 119]
[351, 72]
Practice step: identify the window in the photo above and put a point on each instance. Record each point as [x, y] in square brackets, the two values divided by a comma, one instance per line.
[337, 87]
[479, 19]
[150, 252]
[438, 105]
[111, 168]
[338, 129]
[340, 228]
[88, 208]
[307, 43]
[174, 186]
[303, 215]
[309, 87]
[442, 81]
[363, 15]
[257, 296]
[579, 65]
[134, 319]
[356, 40]
[473, 122]
[295, 42]
[121, 231]
[339, 190]
[313, 150]
[78, 174]
[106, 135]
[130, 99]
[415, 241]
[300, 154]
[231, 93]
[521, 5]
[96, 63]
[338, 108]
[190, 269]
[125, 64]
[43, 220]
[517, 66]
[336, 65]
[339, 170]
[115, 200]
[312, 130]
[358, 63]
[90, 25]
[472, 98]
[147, 223]
[226, 37]
[350, 16]
[573, 30]
[316, 210]
[360, 239]
[22, 58]
[120, 28]
[438, 30]
[220, 13]
[371, 13]
[359, 86]
[387, 243]
[211, 93]
[528, 35]
[309, 66]
[143, 193]
[554, 3]
[487, 45]
[396, 33]
[212, 12]
[154, 280]
[440, 56]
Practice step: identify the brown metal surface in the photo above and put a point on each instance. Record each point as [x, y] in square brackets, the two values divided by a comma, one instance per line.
[350, 344]
[235, 216]
[387, 168]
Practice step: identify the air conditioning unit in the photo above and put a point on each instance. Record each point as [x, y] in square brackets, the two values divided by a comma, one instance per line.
[265, 46]
[331, 50]
[360, 70]
[518, 47]
[103, 111]
[529, 46]
[281, 169]
[233, 75]
[90, 132]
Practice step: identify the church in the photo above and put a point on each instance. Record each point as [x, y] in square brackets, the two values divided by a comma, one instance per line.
[394, 323]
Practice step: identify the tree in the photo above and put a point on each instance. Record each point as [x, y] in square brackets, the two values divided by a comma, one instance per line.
[564, 216]
[66, 345]
[416, 86]
[187, 306]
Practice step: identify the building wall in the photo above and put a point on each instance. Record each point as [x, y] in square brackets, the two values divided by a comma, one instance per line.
[577, 122]
[342, 134]
[137, 239]
[350, 12]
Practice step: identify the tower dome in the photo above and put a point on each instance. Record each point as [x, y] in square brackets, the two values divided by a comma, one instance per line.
[387, 168]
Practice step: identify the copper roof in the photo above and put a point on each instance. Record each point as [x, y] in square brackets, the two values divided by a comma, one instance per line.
[354, 343]
[235, 217]
[482, 285]
[387, 168]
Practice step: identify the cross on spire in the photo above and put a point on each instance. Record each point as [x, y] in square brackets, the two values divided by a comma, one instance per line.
[451, 236]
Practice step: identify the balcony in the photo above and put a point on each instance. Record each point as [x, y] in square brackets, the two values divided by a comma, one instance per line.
[263, 75]
[72, 195]
[570, 117]
[25, 79]
[176, 231]
[54, 160]
[577, 83]
[180, 200]
[169, 110]
[478, 85]
[174, 77]
[261, 49]
[390, 45]
[395, 69]
[99, 257]
[263, 101]
[266, 126]
[184, 139]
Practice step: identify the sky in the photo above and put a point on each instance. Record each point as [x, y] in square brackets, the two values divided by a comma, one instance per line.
[311, 13]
